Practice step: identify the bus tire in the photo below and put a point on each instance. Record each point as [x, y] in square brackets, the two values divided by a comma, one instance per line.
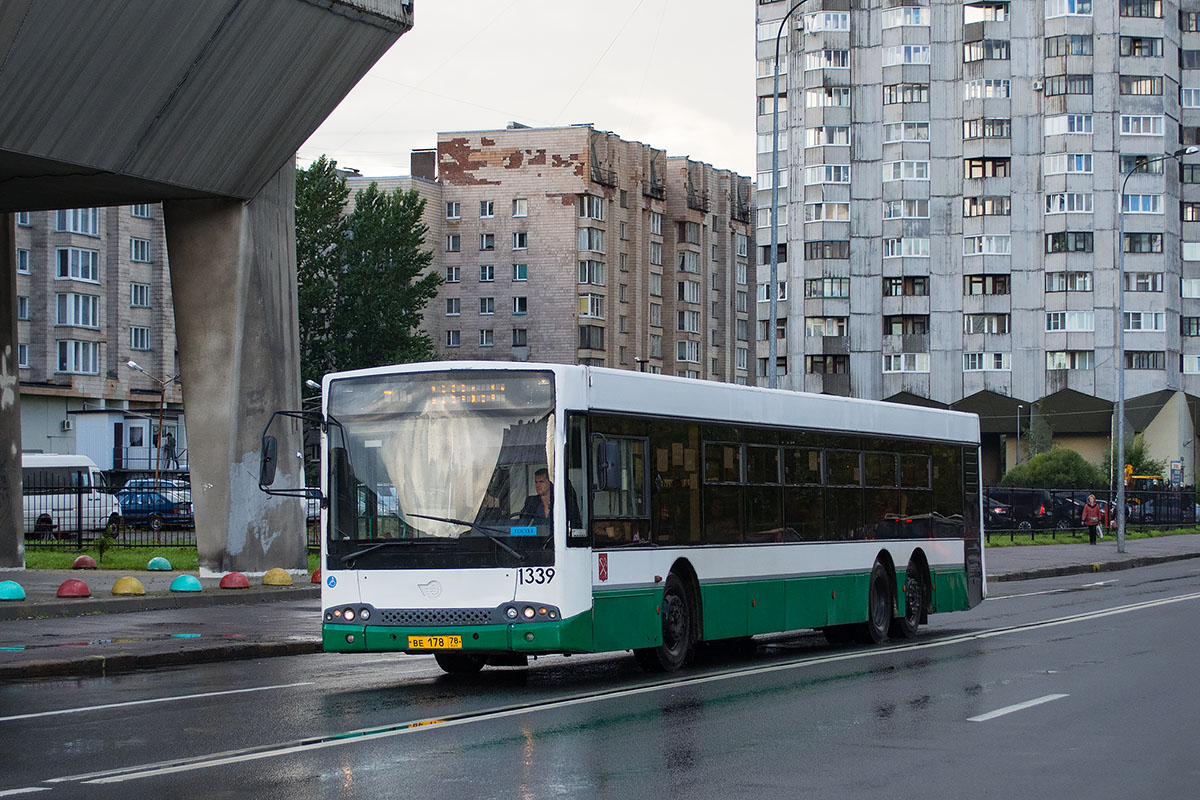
[460, 663]
[677, 612]
[881, 603]
[916, 596]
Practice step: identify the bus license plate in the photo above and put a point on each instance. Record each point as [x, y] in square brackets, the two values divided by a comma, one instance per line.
[435, 642]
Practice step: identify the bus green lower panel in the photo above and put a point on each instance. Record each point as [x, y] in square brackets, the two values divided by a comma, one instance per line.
[626, 619]
[950, 590]
[343, 639]
[744, 608]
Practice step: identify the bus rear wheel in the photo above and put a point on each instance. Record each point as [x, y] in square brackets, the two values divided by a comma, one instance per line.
[460, 663]
[677, 613]
[881, 602]
[915, 598]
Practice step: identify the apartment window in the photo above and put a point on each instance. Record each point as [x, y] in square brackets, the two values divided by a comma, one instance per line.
[817, 365]
[1140, 85]
[656, 254]
[487, 306]
[22, 307]
[520, 240]
[591, 337]
[826, 173]
[487, 241]
[1069, 242]
[741, 301]
[1068, 8]
[453, 338]
[1151, 125]
[593, 239]
[688, 233]
[985, 323]
[906, 325]
[826, 21]
[905, 132]
[689, 262]
[520, 207]
[826, 212]
[1142, 203]
[820, 97]
[827, 288]
[985, 50]
[78, 220]
[78, 264]
[985, 284]
[520, 337]
[827, 59]
[826, 326]
[764, 141]
[987, 362]
[986, 167]
[1190, 288]
[453, 243]
[906, 54]
[766, 67]
[23, 219]
[1189, 326]
[141, 210]
[1069, 203]
[905, 93]
[1142, 47]
[453, 210]
[453, 306]
[655, 347]
[1066, 124]
[905, 171]
[1143, 243]
[911, 286]
[487, 337]
[764, 295]
[139, 295]
[743, 358]
[139, 338]
[687, 351]
[452, 274]
[656, 220]
[1058, 163]
[656, 315]
[624, 232]
[487, 273]
[1145, 321]
[906, 362]
[1143, 281]
[1189, 251]
[987, 128]
[82, 358]
[520, 305]
[987, 206]
[139, 250]
[655, 284]
[741, 247]
[23, 356]
[1071, 359]
[591, 305]
[1189, 211]
[819, 249]
[1141, 8]
[1070, 321]
[487, 209]
[591, 207]
[906, 209]
[986, 88]
[905, 16]
[23, 267]
[1069, 45]
[1145, 359]
[1068, 281]
[906, 247]
[688, 291]
[1189, 21]
[1067, 84]
[987, 244]
[1189, 173]
[822, 136]
[1189, 98]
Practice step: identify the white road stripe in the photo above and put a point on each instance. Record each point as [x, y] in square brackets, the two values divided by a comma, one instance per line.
[83, 709]
[372, 734]
[26, 790]
[1000, 712]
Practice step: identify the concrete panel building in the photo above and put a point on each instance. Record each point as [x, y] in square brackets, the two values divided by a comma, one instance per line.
[950, 224]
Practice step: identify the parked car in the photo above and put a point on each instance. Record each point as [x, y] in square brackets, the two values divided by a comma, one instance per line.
[162, 483]
[156, 508]
[1031, 508]
[1067, 512]
[996, 515]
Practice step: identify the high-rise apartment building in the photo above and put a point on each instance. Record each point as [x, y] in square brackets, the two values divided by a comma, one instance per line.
[955, 214]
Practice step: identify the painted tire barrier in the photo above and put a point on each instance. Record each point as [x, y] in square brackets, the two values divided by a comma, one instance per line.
[73, 587]
[159, 563]
[277, 577]
[186, 583]
[84, 562]
[316, 578]
[128, 586]
[11, 590]
[235, 580]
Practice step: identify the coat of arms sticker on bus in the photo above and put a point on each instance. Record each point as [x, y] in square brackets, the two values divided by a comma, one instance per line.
[603, 559]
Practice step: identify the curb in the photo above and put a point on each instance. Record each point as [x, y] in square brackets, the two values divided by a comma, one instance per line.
[1087, 569]
[98, 666]
[157, 602]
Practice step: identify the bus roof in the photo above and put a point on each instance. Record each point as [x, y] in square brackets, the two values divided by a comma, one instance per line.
[627, 391]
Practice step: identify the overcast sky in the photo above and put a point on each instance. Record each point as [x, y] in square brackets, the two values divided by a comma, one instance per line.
[675, 74]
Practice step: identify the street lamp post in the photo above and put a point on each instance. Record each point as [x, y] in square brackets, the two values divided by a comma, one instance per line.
[162, 407]
[773, 284]
[1120, 421]
[1017, 455]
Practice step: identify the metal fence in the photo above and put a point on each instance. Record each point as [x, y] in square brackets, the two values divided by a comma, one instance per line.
[1010, 511]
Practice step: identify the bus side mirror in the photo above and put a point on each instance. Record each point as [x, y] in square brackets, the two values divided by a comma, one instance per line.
[267, 461]
[608, 467]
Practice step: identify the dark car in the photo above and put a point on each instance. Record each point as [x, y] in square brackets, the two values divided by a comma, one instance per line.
[997, 516]
[1030, 508]
[1067, 512]
[156, 508]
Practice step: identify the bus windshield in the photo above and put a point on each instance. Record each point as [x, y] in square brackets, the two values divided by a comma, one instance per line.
[447, 469]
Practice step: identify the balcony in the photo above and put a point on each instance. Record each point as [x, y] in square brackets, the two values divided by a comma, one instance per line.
[603, 176]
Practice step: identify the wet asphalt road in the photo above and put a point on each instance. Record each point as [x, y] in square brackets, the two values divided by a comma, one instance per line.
[1070, 687]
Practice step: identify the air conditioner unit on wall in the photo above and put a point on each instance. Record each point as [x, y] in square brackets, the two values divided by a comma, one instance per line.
[66, 424]
[1037, 85]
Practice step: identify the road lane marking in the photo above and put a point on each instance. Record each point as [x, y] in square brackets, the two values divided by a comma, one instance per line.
[1000, 712]
[310, 744]
[129, 703]
[1051, 591]
[26, 790]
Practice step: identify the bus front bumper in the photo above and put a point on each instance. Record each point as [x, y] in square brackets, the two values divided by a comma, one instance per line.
[573, 635]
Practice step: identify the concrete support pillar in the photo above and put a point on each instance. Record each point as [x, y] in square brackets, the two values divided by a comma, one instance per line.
[233, 276]
[12, 539]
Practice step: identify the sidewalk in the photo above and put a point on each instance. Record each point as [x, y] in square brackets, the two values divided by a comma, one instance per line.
[46, 636]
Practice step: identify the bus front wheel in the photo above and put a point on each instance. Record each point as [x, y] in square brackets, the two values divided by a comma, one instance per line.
[676, 612]
[460, 663]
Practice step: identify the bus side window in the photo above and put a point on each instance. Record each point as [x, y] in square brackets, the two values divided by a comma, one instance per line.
[578, 530]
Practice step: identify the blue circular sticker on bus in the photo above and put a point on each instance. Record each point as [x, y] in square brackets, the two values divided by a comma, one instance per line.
[331, 581]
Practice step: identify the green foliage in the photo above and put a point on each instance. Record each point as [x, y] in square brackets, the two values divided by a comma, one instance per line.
[1137, 454]
[363, 280]
[1057, 468]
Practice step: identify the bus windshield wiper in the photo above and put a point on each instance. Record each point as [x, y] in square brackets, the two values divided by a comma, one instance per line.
[352, 557]
[491, 533]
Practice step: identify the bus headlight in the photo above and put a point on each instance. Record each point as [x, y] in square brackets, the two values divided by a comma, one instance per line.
[528, 612]
[511, 612]
[348, 615]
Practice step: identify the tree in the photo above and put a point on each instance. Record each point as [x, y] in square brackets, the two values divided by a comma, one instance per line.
[1057, 468]
[1137, 455]
[363, 281]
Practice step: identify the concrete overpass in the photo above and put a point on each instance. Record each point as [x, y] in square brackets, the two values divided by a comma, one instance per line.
[200, 104]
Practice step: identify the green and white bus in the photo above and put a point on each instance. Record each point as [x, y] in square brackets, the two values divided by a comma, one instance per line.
[486, 512]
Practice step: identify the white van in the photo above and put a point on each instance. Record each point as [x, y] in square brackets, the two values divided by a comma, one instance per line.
[59, 492]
